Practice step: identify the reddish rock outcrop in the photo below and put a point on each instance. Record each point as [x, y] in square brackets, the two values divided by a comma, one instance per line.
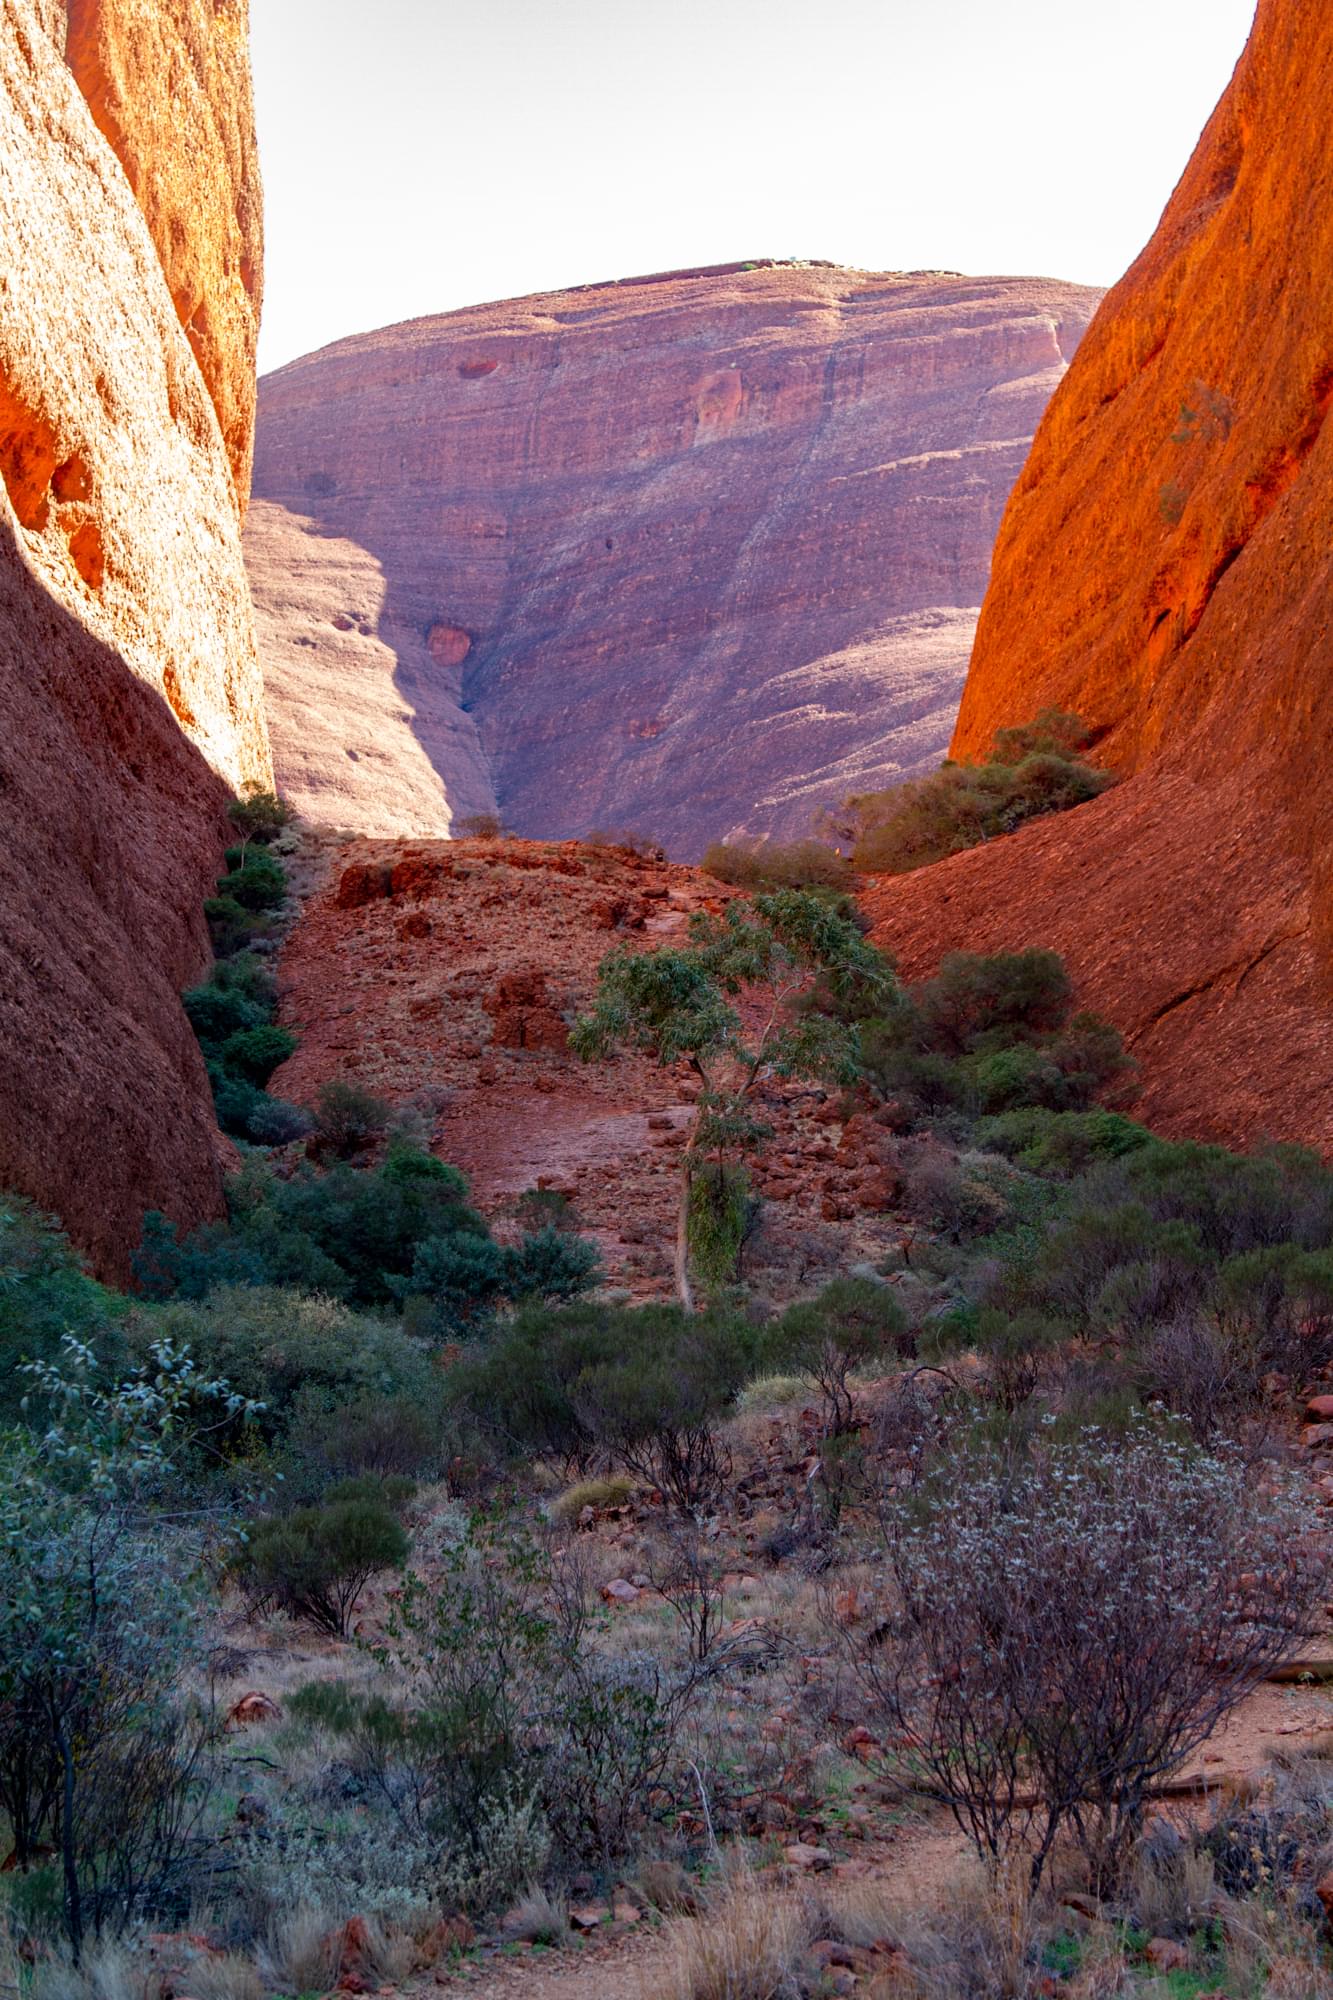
[168, 83]
[1166, 569]
[129, 688]
[690, 554]
[444, 975]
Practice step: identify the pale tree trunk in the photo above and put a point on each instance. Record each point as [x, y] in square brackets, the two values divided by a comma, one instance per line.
[683, 1287]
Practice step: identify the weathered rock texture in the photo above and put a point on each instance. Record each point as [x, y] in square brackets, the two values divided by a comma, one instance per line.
[444, 975]
[129, 689]
[688, 554]
[1166, 569]
[168, 83]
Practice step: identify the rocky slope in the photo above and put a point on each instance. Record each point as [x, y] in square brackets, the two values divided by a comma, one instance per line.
[1166, 568]
[689, 554]
[129, 689]
[442, 975]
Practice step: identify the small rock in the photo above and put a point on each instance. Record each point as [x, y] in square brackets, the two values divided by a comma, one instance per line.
[620, 1591]
[589, 1916]
[1319, 1409]
[801, 1854]
[1167, 1955]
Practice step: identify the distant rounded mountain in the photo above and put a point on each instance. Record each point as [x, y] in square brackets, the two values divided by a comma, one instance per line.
[693, 555]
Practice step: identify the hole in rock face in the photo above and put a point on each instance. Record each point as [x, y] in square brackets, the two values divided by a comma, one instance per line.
[474, 371]
[88, 554]
[72, 480]
[448, 645]
[320, 485]
[27, 458]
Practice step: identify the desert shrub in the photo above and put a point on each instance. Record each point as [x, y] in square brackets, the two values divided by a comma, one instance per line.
[272, 1121]
[721, 1217]
[255, 880]
[315, 1562]
[1030, 772]
[974, 1000]
[481, 826]
[643, 1387]
[1066, 1624]
[353, 1234]
[328, 1439]
[552, 1265]
[652, 1402]
[289, 1352]
[1061, 1142]
[500, 1732]
[45, 1295]
[260, 815]
[214, 1012]
[103, 1755]
[254, 1053]
[231, 927]
[770, 864]
[348, 1119]
[854, 1324]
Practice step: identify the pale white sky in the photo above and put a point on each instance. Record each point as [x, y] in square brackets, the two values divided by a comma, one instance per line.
[420, 155]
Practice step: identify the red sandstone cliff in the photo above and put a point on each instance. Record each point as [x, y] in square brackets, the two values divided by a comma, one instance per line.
[689, 554]
[1165, 568]
[168, 83]
[129, 689]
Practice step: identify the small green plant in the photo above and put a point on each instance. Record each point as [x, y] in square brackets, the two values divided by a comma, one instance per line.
[767, 864]
[854, 1324]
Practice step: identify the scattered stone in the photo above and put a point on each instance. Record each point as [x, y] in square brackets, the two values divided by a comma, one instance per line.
[1167, 1954]
[802, 1854]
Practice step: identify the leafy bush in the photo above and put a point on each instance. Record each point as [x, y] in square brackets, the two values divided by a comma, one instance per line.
[769, 864]
[1031, 771]
[289, 1352]
[854, 1324]
[1066, 1626]
[45, 1295]
[256, 881]
[348, 1119]
[1061, 1142]
[260, 815]
[254, 1053]
[315, 1562]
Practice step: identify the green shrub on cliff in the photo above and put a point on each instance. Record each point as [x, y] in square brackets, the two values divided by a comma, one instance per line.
[1031, 771]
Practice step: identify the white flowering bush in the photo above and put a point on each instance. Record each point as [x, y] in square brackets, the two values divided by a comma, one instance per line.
[1063, 1626]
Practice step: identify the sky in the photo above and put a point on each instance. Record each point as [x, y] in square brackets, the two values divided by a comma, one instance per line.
[421, 155]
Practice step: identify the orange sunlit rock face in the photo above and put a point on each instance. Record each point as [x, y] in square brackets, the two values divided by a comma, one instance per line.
[168, 84]
[1165, 568]
[130, 700]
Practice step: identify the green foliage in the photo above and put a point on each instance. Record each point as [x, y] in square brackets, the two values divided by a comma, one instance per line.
[1061, 1142]
[315, 1562]
[510, 1717]
[102, 1753]
[989, 1035]
[45, 1295]
[788, 951]
[644, 1385]
[769, 864]
[347, 1118]
[257, 881]
[254, 1053]
[295, 1354]
[722, 1211]
[260, 815]
[1031, 771]
[854, 1324]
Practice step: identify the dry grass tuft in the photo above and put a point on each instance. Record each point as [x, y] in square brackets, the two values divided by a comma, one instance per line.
[610, 1492]
[749, 1944]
